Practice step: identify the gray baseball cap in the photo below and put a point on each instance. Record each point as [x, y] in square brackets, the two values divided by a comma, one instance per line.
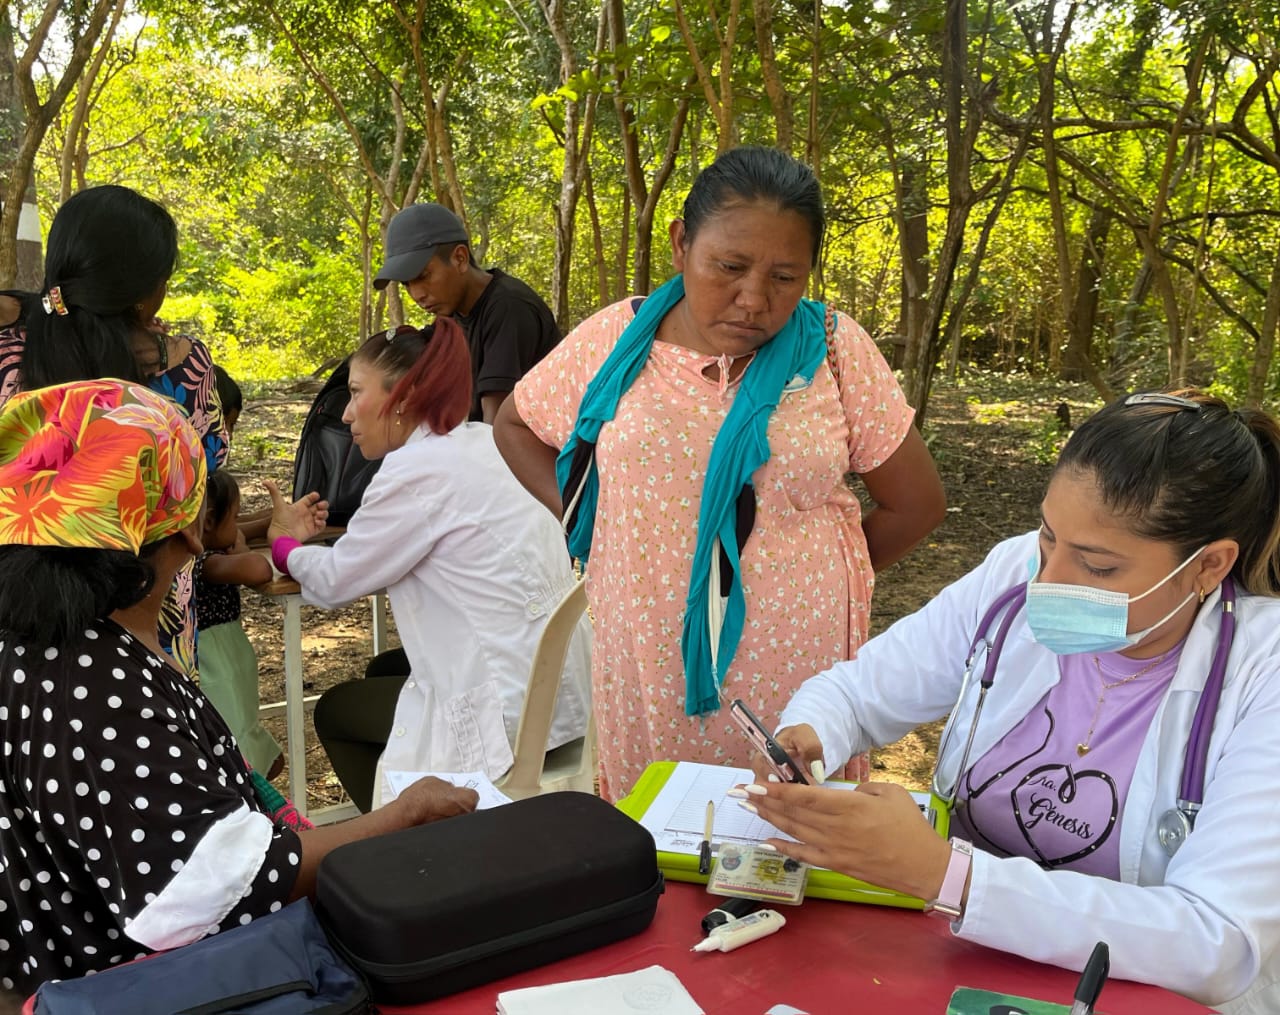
[412, 239]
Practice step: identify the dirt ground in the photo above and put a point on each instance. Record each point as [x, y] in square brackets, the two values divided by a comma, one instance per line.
[993, 437]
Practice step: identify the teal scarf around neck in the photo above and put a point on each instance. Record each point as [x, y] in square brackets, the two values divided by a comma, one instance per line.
[714, 616]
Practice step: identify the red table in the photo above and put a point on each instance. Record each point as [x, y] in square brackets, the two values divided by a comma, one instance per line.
[831, 957]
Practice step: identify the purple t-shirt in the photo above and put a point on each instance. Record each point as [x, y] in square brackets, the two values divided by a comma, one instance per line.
[1035, 795]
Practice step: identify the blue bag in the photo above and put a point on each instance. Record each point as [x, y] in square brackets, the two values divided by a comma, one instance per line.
[281, 964]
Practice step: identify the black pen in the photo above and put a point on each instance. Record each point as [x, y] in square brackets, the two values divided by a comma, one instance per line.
[704, 851]
[1092, 979]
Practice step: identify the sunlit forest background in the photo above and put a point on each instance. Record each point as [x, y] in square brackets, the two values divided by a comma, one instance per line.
[1087, 191]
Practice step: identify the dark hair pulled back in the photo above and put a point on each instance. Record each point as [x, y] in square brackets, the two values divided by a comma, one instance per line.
[752, 174]
[50, 594]
[229, 393]
[1187, 476]
[427, 372]
[109, 249]
[220, 491]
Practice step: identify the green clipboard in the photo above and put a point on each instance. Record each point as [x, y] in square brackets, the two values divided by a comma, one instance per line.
[822, 884]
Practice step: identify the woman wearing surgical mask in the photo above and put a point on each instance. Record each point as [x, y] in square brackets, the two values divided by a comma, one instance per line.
[1110, 767]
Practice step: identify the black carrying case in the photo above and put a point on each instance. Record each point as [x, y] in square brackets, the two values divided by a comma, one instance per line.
[440, 908]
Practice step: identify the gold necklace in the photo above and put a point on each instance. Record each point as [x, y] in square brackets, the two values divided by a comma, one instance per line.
[1082, 748]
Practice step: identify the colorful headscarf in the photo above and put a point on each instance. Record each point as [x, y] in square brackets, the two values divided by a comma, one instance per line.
[101, 464]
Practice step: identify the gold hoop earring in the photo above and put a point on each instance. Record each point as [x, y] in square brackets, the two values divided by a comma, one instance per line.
[1202, 595]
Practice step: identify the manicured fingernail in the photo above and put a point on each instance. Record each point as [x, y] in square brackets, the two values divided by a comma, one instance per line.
[819, 770]
[737, 793]
[755, 790]
[747, 807]
[766, 847]
[773, 778]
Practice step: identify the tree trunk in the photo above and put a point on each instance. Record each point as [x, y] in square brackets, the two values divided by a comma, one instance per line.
[1128, 323]
[961, 131]
[780, 101]
[73, 140]
[639, 195]
[624, 245]
[720, 100]
[444, 149]
[1083, 312]
[912, 211]
[579, 118]
[1264, 354]
[597, 240]
[27, 123]
[1069, 295]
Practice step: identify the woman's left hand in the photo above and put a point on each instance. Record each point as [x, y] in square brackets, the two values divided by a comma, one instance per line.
[301, 520]
[875, 833]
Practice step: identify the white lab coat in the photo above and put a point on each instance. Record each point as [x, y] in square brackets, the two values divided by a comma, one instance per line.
[473, 566]
[1205, 923]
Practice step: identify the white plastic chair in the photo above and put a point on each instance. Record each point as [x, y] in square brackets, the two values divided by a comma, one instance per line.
[570, 766]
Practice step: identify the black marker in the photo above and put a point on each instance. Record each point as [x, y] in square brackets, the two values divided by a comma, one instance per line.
[1092, 979]
[727, 912]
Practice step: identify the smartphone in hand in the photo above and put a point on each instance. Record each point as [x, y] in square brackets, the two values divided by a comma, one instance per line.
[784, 766]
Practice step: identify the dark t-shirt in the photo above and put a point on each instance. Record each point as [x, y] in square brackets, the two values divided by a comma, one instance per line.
[509, 330]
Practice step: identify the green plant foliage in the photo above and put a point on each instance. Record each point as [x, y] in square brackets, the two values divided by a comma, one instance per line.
[229, 114]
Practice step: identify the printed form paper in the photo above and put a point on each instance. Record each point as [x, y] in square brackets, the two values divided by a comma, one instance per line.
[676, 818]
[490, 795]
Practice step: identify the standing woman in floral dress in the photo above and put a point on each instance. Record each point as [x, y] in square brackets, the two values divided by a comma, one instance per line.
[700, 439]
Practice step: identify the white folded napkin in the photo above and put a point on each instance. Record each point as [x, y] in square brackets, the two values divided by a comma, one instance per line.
[654, 991]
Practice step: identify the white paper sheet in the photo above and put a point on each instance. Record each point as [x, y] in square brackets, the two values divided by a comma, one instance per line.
[653, 990]
[677, 816]
[490, 795]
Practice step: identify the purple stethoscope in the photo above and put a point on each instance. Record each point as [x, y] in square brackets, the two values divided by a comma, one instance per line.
[1177, 822]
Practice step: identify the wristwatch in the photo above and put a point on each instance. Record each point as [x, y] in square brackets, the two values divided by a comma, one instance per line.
[950, 901]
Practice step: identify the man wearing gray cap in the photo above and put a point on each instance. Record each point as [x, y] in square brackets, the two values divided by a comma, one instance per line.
[508, 326]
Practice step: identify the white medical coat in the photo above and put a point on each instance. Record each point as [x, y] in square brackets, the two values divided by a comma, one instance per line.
[473, 566]
[1205, 923]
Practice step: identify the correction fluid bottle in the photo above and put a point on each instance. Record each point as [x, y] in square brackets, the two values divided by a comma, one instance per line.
[740, 932]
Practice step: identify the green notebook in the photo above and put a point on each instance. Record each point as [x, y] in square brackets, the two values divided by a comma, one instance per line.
[972, 1001]
[822, 884]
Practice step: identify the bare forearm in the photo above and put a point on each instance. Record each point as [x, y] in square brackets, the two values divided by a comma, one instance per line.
[892, 535]
[490, 403]
[428, 799]
[530, 461]
[909, 502]
[317, 843]
[254, 524]
[246, 568]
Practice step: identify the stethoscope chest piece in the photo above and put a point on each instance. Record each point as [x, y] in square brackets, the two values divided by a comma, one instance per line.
[1172, 830]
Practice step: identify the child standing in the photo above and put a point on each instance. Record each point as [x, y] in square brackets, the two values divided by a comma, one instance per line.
[228, 664]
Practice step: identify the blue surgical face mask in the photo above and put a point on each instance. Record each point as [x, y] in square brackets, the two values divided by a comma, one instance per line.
[1068, 619]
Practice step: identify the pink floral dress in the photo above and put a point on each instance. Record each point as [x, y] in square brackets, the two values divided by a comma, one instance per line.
[806, 574]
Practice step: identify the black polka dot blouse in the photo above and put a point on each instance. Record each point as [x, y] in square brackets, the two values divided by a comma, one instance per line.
[128, 823]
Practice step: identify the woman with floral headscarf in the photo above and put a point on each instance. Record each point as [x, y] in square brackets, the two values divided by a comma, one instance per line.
[127, 819]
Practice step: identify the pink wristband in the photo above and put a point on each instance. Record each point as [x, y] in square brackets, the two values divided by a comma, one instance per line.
[280, 550]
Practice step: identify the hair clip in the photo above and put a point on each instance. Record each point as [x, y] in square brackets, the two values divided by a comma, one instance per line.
[1160, 398]
[53, 303]
[390, 334]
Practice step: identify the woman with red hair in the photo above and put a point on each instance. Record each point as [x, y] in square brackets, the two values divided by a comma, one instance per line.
[472, 564]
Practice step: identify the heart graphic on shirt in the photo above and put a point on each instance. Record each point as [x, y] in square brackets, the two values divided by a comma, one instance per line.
[1063, 814]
